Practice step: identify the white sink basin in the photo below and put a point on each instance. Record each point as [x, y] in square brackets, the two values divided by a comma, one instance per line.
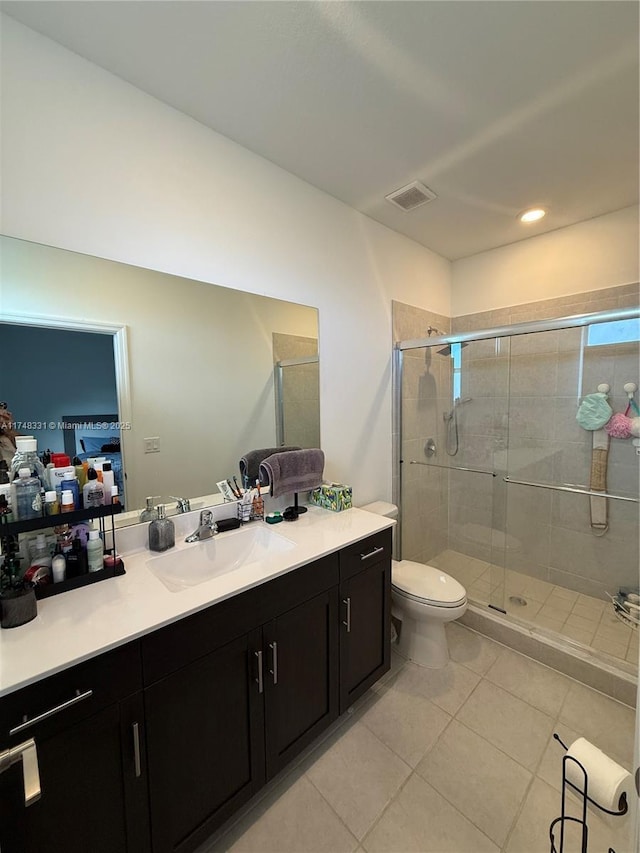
[198, 562]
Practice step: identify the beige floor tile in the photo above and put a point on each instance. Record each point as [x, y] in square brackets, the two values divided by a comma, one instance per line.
[508, 723]
[545, 622]
[420, 820]
[558, 602]
[551, 612]
[479, 780]
[473, 650]
[583, 624]
[550, 767]
[590, 601]
[448, 687]
[529, 680]
[296, 820]
[577, 634]
[587, 611]
[617, 633]
[616, 650]
[632, 652]
[559, 592]
[603, 721]
[407, 723]
[358, 775]
[531, 831]
[530, 610]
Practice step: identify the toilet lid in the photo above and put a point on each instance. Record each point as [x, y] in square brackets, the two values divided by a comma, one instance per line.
[427, 583]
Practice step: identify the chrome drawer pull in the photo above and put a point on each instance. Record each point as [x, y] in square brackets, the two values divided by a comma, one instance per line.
[347, 601]
[274, 672]
[259, 679]
[136, 750]
[27, 753]
[79, 697]
[371, 553]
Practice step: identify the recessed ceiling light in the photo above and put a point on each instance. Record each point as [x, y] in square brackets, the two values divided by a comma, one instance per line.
[532, 215]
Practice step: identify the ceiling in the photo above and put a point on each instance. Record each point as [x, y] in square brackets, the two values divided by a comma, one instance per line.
[495, 106]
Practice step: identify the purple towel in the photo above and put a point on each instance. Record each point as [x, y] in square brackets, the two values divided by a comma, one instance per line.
[295, 471]
[250, 462]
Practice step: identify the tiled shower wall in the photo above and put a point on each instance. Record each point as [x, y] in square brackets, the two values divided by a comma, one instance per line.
[301, 390]
[525, 392]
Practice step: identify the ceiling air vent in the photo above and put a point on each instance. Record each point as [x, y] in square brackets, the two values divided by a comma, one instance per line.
[412, 196]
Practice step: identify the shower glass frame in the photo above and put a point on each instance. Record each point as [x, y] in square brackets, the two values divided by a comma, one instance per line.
[500, 473]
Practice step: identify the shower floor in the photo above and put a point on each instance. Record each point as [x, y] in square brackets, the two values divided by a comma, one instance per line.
[579, 617]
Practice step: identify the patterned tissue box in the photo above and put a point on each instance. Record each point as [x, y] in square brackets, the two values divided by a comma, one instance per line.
[333, 496]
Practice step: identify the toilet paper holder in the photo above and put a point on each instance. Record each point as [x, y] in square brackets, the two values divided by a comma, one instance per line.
[582, 820]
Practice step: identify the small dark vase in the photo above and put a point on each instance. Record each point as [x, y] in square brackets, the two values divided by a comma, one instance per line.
[17, 606]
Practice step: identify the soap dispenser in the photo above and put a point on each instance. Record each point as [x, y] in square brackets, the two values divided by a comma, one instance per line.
[162, 533]
[149, 513]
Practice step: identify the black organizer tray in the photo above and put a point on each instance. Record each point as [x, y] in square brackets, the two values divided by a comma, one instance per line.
[48, 589]
[75, 517]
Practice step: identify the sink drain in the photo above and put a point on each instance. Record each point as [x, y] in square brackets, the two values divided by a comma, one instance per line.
[518, 600]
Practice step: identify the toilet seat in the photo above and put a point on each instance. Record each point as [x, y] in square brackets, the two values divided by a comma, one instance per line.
[426, 584]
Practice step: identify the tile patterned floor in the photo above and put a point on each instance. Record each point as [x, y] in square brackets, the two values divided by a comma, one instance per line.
[580, 617]
[458, 760]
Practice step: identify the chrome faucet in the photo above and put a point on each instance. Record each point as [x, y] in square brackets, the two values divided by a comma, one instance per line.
[206, 529]
[182, 505]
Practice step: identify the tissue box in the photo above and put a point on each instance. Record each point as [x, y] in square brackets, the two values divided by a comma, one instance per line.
[333, 496]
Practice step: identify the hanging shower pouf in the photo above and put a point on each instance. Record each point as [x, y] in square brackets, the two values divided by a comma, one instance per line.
[594, 411]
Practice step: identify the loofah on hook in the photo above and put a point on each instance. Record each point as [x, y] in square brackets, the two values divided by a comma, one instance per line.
[635, 427]
[619, 426]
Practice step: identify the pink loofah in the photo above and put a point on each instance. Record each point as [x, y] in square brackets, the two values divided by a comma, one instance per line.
[619, 426]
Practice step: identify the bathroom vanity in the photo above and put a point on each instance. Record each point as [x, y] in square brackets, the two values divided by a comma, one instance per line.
[164, 731]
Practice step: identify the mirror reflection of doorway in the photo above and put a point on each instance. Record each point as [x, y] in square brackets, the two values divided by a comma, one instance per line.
[297, 390]
[48, 372]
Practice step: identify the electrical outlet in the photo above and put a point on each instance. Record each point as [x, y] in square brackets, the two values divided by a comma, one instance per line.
[152, 445]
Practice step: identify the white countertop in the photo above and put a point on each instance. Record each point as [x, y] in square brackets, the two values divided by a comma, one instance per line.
[80, 624]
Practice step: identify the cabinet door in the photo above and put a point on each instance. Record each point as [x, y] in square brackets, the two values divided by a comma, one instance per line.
[205, 744]
[91, 793]
[365, 644]
[301, 677]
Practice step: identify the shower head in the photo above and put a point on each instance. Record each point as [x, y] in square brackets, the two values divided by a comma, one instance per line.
[447, 350]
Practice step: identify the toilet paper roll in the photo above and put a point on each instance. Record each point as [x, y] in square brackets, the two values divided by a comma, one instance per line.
[607, 780]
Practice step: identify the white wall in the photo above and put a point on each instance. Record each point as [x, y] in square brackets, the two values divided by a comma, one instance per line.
[597, 253]
[92, 164]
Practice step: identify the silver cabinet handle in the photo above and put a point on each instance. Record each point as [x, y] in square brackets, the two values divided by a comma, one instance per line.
[79, 697]
[27, 753]
[371, 553]
[347, 601]
[259, 679]
[274, 651]
[136, 750]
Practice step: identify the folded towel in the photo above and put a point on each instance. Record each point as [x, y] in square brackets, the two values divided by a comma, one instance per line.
[294, 471]
[250, 462]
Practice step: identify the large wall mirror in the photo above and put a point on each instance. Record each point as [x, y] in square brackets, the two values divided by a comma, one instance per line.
[197, 374]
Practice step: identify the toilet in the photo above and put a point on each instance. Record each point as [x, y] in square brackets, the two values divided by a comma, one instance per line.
[423, 599]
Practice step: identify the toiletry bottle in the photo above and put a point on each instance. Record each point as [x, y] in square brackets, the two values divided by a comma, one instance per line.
[6, 514]
[58, 565]
[4, 471]
[40, 554]
[26, 456]
[77, 560]
[70, 483]
[67, 502]
[81, 472]
[93, 492]
[51, 503]
[95, 551]
[162, 535]
[27, 502]
[149, 513]
[107, 481]
[258, 503]
[115, 499]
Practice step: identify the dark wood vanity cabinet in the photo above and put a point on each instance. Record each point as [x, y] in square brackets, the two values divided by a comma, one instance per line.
[233, 694]
[365, 607]
[88, 727]
[185, 725]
